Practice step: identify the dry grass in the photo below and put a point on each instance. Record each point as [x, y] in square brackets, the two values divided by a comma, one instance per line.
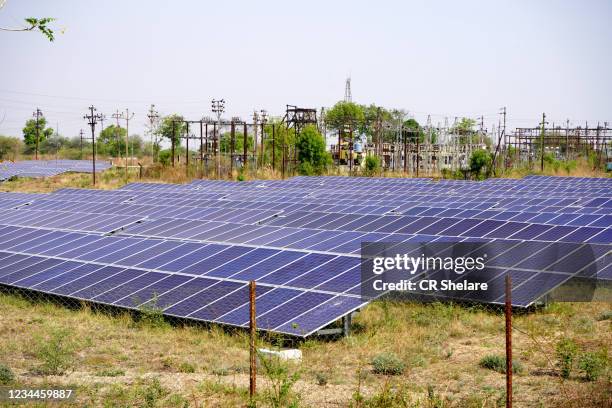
[122, 360]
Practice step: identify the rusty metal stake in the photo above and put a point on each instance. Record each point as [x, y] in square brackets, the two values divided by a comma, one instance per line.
[508, 313]
[253, 333]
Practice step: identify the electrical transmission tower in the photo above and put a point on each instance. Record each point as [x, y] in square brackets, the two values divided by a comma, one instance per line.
[348, 97]
[93, 118]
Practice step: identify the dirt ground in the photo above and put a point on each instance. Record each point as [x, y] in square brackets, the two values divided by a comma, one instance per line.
[122, 360]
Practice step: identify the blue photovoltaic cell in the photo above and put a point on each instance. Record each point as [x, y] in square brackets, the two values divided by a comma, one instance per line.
[439, 226]
[531, 231]
[152, 291]
[324, 272]
[275, 262]
[582, 234]
[108, 283]
[603, 237]
[536, 286]
[516, 254]
[70, 275]
[483, 228]
[222, 257]
[24, 272]
[242, 263]
[181, 292]
[506, 230]
[264, 302]
[130, 287]
[87, 280]
[461, 227]
[189, 259]
[555, 233]
[170, 256]
[42, 276]
[333, 242]
[583, 220]
[17, 263]
[226, 304]
[211, 294]
[296, 269]
[149, 253]
[312, 319]
[285, 312]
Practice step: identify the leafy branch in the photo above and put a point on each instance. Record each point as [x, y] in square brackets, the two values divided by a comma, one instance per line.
[40, 24]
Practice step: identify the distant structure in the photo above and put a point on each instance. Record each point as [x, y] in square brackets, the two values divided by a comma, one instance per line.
[347, 91]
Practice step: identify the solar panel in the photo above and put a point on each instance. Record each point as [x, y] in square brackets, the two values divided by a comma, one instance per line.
[191, 249]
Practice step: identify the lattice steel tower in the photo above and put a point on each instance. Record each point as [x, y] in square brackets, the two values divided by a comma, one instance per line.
[347, 91]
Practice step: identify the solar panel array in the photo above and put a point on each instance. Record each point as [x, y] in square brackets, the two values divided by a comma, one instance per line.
[47, 168]
[192, 249]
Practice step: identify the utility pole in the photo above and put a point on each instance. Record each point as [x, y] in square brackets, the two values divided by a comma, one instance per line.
[187, 149]
[117, 116]
[273, 146]
[81, 134]
[92, 119]
[255, 132]
[218, 108]
[37, 114]
[264, 120]
[499, 139]
[542, 129]
[542, 141]
[153, 117]
[566, 140]
[127, 117]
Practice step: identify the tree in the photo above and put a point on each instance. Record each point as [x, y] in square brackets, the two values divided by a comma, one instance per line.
[312, 155]
[30, 133]
[282, 136]
[479, 160]
[345, 113]
[33, 24]
[9, 147]
[466, 132]
[111, 141]
[172, 127]
[226, 142]
[414, 131]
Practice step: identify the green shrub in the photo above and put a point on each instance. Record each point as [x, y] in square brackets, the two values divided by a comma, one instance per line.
[566, 351]
[110, 373]
[281, 377]
[6, 375]
[186, 367]
[497, 363]
[388, 364]
[605, 316]
[372, 165]
[56, 352]
[165, 157]
[322, 378]
[592, 365]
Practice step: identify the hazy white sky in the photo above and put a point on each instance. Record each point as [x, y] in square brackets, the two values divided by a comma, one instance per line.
[445, 58]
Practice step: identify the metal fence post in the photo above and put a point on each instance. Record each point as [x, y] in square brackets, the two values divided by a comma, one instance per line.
[508, 313]
[253, 333]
